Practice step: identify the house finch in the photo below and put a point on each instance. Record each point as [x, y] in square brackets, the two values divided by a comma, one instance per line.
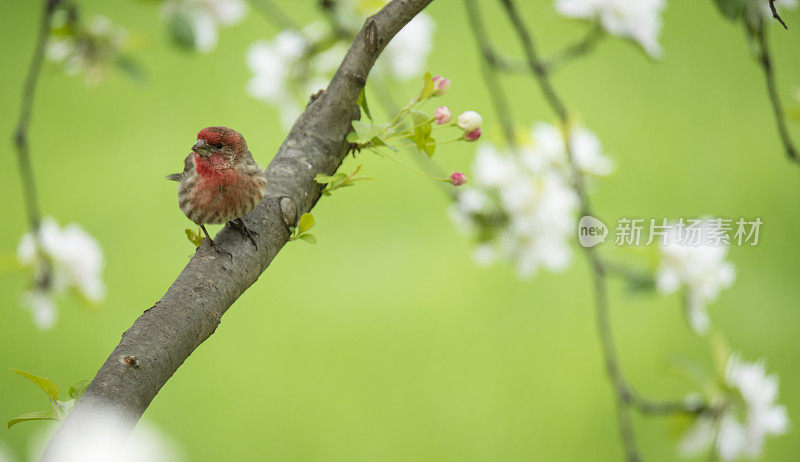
[220, 181]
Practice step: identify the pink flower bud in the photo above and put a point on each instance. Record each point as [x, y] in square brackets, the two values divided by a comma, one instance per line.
[458, 178]
[442, 115]
[440, 85]
[469, 121]
[473, 135]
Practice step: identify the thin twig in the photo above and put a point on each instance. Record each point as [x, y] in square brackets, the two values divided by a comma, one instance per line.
[534, 63]
[340, 30]
[776, 15]
[580, 48]
[21, 132]
[496, 93]
[765, 60]
[275, 14]
[625, 426]
[623, 393]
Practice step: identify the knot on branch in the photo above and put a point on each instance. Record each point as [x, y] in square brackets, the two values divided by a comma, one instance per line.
[19, 138]
[371, 36]
[130, 361]
[315, 96]
[358, 78]
[288, 210]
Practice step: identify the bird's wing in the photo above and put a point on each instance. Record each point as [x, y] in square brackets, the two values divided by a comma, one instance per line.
[188, 167]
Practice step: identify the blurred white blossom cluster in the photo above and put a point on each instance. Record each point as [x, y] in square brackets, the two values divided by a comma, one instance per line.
[701, 270]
[747, 414]
[637, 20]
[108, 438]
[289, 68]
[521, 205]
[196, 23]
[779, 5]
[293, 65]
[67, 258]
[91, 49]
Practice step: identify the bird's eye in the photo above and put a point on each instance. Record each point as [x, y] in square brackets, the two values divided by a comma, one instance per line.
[218, 145]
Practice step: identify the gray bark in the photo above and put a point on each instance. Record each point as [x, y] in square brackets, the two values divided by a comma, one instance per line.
[166, 334]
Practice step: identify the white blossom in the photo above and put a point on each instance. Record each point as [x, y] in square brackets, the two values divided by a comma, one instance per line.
[638, 20]
[205, 17]
[107, 437]
[521, 205]
[550, 149]
[779, 5]
[469, 120]
[75, 261]
[273, 65]
[701, 270]
[407, 53]
[92, 53]
[748, 417]
[285, 74]
[288, 69]
[5, 453]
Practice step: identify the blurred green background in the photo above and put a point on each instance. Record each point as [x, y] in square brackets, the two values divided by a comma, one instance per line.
[384, 342]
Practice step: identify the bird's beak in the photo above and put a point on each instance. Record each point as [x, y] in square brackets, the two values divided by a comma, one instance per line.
[201, 148]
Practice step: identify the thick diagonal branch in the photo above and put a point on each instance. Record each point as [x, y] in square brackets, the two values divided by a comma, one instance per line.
[166, 334]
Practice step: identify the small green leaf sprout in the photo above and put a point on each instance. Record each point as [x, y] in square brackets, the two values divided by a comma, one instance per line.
[305, 223]
[60, 409]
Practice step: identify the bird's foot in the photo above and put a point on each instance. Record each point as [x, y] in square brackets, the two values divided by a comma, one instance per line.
[219, 249]
[245, 231]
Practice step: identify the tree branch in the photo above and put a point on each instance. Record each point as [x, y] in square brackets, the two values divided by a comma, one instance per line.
[775, 14]
[165, 335]
[21, 133]
[765, 60]
[535, 65]
[580, 48]
[488, 71]
[625, 396]
[274, 14]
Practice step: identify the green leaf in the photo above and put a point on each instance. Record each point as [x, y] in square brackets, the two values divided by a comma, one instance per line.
[430, 146]
[308, 238]
[362, 102]
[365, 131]
[427, 88]
[47, 385]
[326, 179]
[721, 353]
[379, 142]
[306, 222]
[63, 408]
[180, 29]
[38, 415]
[731, 9]
[677, 424]
[76, 389]
[131, 68]
[194, 236]
[422, 131]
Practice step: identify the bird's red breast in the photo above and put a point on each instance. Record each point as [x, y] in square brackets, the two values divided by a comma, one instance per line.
[214, 171]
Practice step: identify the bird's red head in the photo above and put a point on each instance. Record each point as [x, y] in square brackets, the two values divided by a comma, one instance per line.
[219, 137]
[220, 143]
[218, 149]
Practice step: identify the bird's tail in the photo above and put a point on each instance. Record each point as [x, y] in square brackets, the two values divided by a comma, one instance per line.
[174, 177]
